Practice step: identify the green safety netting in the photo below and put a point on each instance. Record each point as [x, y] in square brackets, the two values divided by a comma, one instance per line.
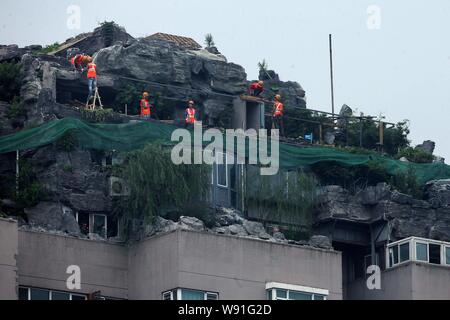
[135, 135]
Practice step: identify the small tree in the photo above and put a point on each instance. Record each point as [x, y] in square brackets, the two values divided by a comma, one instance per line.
[209, 40]
[263, 66]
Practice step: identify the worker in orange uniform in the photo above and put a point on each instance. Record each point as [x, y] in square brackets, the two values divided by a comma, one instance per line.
[257, 88]
[190, 114]
[92, 77]
[146, 112]
[78, 60]
[278, 115]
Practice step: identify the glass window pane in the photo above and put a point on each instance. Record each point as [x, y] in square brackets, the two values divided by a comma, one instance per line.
[300, 296]
[319, 297]
[447, 255]
[404, 252]
[23, 294]
[192, 295]
[212, 296]
[222, 171]
[38, 294]
[60, 296]
[282, 294]
[393, 256]
[422, 252]
[99, 227]
[435, 253]
[76, 297]
[269, 294]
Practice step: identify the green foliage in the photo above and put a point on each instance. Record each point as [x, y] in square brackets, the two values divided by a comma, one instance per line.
[50, 48]
[129, 95]
[68, 168]
[10, 80]
[67, 143]
[352, 178]
[415, 155]
[157, 184]
[16, 110]
[98, 115]
[209, 40]
[355, 178]
[288, 198]
[108, 32]
[263, 66]
[408, 184]
[30, 191]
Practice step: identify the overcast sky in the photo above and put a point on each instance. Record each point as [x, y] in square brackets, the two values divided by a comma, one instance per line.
[391, 57]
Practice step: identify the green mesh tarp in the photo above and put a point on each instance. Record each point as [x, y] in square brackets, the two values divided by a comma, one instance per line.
[135, 135]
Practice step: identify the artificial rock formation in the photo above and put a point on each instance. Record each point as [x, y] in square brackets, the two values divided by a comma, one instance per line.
[406, 216]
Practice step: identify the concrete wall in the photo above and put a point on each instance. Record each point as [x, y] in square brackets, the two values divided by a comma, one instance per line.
[153, 265]
[430, 282]
[412, 281]
[8, 264]
[235, 267]
[43, 260]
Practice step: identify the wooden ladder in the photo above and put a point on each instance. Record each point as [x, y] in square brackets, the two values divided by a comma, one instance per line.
[93, 105]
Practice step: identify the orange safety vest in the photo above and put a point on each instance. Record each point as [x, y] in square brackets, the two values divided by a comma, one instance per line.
[145, 108]
[190, 115]
[279, 109]
[92, 70]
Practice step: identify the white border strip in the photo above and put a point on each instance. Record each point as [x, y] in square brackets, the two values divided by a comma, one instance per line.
[284, 286]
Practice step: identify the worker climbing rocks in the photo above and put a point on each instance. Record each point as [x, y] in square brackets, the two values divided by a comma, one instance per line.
[278, 115]
[146, 112]
[78, 60]
[257, 88]
[92, 77]
[190, 114]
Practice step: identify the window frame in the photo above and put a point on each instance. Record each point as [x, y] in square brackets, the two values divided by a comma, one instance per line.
[176, 294]
[92, 217]
[446, 262]
[413, 245]
[51, 292]
[225, 164]
[272, 287]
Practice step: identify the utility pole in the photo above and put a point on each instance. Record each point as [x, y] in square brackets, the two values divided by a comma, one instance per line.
[332, 76]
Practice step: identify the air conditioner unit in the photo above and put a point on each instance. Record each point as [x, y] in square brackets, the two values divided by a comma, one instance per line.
[118, 187]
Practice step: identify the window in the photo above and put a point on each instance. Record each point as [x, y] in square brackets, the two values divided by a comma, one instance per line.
[279, 291]
[99, 225]
[393, 255]
[435, 253]
[60, 296]
[39, 294]
[168, 295]
[422, 251]
[190, 295]
[404, 252]
[222, 170]
[44, 294]
[212, 296]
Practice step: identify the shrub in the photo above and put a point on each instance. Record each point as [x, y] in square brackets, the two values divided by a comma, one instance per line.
[98, 115]
[156, 184]
[10, 80]
[67, 143]
[30, 191]
[209, 40]
[415, 155]
[408, 183]
[16, 110]
[50, 48]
